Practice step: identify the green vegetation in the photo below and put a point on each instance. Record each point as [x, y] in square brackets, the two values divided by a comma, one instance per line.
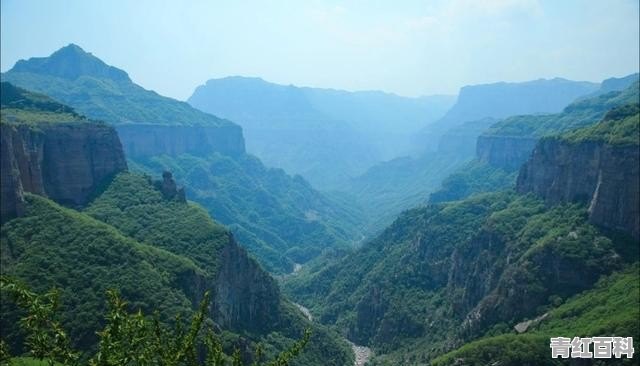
[410, 292]
[611, 308]
[133, 206]
[127, 338]
[473, 177]
[161, 255]
[391, 187]
[19, 106]
[55, 247]
[584, 112]
[102, 92]
[620, 126]
[281, 220]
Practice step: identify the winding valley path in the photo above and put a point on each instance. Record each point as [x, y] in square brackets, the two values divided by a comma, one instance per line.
[362, 354]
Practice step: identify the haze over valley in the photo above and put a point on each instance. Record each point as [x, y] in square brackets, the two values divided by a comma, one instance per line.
[318, 183]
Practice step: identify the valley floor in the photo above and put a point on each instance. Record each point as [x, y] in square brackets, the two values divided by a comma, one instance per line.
[362, 354]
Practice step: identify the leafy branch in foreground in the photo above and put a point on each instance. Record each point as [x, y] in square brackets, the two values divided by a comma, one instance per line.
[131, 339]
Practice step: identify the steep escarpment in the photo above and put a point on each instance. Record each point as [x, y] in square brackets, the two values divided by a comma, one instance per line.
[598, 166]
[66, 160]
[146, 140]
[509, 143]
[502, 100]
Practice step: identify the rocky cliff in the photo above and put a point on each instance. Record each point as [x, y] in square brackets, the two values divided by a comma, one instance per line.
[246, 298]
[506, 152]
[65, 162]
[602, 175]
[144, 140]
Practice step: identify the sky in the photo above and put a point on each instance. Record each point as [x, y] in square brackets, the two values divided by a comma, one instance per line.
[407, 47]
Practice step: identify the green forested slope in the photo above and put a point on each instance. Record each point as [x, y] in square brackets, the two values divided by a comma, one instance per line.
[444, 274]
[611, 308]
[162, 255]
[280, 219]
[57, 247]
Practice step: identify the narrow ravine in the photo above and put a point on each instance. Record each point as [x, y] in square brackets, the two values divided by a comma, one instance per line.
[362, 354]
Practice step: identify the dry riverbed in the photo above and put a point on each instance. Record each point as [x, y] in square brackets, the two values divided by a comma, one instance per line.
[362, 354]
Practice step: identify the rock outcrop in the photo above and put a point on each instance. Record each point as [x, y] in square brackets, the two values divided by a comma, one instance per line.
[169, 189]
[246, 298]
[65, 162]
[606, 177]
[505, 152]
[144, 140]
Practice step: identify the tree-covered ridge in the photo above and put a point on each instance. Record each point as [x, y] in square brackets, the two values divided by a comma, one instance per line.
[161, 254]
[439, 276]
[620, 126]
[611, 308]
[102, 92]
[133, 206]
[473, 177]
[280, 219]
[57, 247]
[19, 106]
[581, 113]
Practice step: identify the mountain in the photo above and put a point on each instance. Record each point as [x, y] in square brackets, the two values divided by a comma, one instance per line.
[102, 92]
[281, 219]
[130, 233]
[607, 161]
[293, 127]
[444, 275]
[448, 143]
[501, 100]
[503, 147]
[49, 149]
[508, 143]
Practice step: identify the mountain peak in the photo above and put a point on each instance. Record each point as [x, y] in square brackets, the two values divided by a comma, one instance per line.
[71, 62]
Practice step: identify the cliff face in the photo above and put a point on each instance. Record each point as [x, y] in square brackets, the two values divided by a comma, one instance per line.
[143, 140]
[506, 152]
[65, 162]
[246, 297]
[604, 176]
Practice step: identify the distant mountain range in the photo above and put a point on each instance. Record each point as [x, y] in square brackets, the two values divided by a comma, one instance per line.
[326, 135]
[281, 219]
[501, 100]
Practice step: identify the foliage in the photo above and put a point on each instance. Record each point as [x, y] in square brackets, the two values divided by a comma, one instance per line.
[611, 308]
[133, 206]
[170, 253]
[55, 247]
[280, 219]
[410, 292]
[620, 126]
[473, 177]
[128, 338]
[19, 106]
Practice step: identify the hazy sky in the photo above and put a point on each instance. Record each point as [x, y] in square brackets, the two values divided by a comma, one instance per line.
[406, 47]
